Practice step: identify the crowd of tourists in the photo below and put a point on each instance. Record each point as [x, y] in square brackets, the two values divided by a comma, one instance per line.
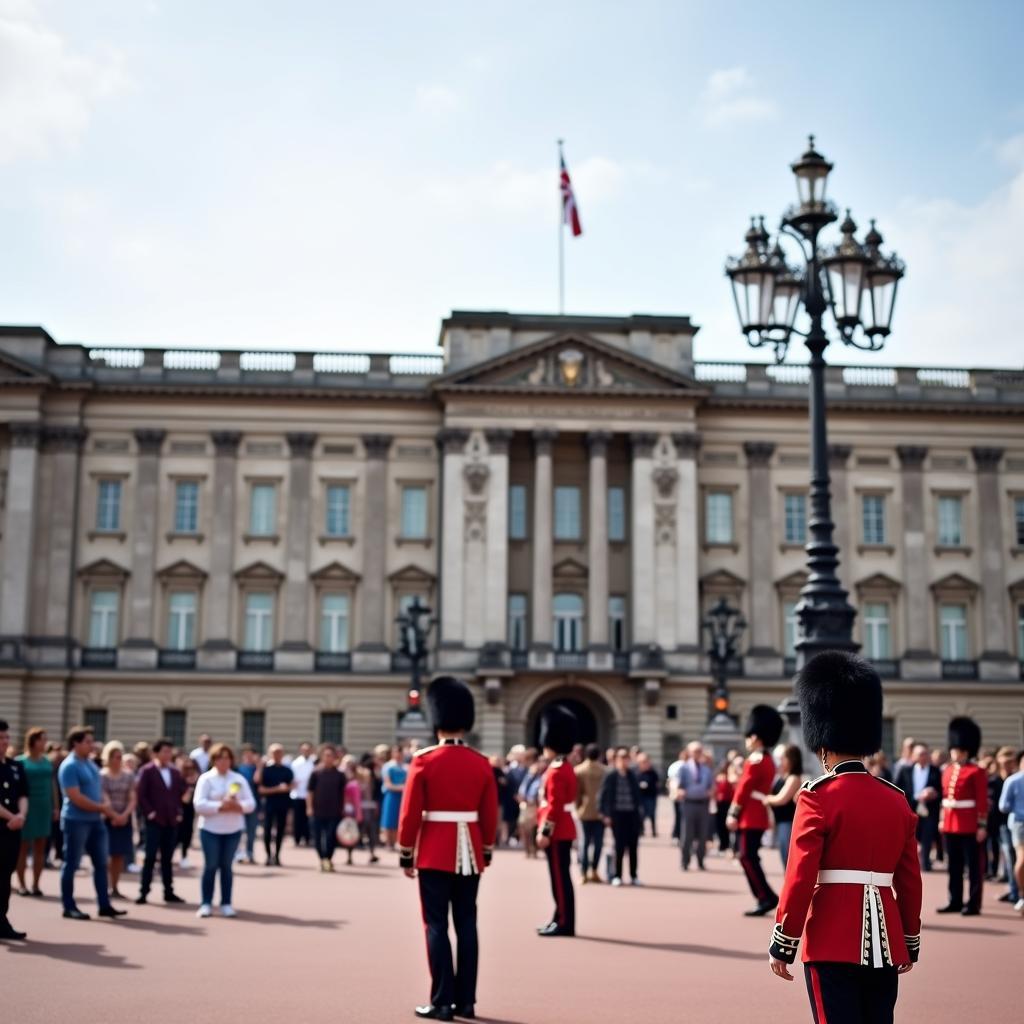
[130, 809]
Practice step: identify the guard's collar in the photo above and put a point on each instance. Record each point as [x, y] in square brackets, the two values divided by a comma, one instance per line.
[452, 741]
[845, 767]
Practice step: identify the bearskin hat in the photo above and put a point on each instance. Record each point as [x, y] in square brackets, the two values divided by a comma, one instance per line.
[451, 705]
[765, 723]
[558, 729]
[964, 734]
[840, 697]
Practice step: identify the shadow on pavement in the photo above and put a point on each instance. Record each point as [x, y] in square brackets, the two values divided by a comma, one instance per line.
[75, 953]
[676, 947]
[687, 888]
[291, 922]
[961, 930]
[493, 1020]
[140, 924]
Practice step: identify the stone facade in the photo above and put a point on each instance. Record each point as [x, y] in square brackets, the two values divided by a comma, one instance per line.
[221, 541]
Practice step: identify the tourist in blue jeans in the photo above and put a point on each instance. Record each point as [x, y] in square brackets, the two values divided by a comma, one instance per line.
[222, 800]
[248, 767]
[82, 814]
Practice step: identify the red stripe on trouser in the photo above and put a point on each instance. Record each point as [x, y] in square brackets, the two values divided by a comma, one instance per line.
[748, 867]
[556, 874]
[819, 1003]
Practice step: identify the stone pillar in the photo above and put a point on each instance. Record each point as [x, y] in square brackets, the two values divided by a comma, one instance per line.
[20, 517]
[543, 540]
[373, 651]
[597, 542]
[496, 616]
[218, 649]
[452, 570]
[492, 717]
[476, 471]
[139, 649]
[688, 616]
[642, 540]
[838, 457]
[296, 652]
[919, 660]
[996, 662]
[762, 657]
[649, 718]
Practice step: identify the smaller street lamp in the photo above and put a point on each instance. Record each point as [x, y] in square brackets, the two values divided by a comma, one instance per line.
[414, 626]
[724, 625]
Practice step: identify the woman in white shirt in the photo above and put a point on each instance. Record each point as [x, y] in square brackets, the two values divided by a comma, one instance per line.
[222, 799]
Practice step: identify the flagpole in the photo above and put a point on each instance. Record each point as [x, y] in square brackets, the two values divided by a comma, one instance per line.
[561, 238]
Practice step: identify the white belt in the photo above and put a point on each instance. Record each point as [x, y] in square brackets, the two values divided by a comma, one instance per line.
[955, 805]
[568, 808]
[451, 816]
[839, 876]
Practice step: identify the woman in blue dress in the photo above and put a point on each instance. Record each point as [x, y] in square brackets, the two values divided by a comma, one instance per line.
[393, 777]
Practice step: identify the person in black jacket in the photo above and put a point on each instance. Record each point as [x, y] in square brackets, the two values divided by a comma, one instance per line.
[620, 804]
[921, 781]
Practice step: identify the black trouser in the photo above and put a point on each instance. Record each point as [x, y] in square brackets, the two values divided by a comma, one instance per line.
[186, 828]
[590, 849]
[10, 842]
[300, 822]
[275, 819]
[926, 829]
[677, 819]
[721, 828]
[750, 859]
[559, 855]
[450, 985]
[626, 830]
[162, 839]
[325, 833]
[851, 994]
[960, 850]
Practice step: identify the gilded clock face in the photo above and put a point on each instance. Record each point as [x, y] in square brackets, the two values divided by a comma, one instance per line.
[570, 362]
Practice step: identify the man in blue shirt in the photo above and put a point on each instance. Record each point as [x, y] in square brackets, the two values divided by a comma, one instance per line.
[82, 815]
[1011, 802]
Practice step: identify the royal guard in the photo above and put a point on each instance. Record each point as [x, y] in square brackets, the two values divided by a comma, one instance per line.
[446, 832]
[747, 813]
[556, 828]
[964, 816]
[853, 883]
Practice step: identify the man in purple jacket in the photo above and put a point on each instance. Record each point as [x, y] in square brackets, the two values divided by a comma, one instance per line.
[160, 788]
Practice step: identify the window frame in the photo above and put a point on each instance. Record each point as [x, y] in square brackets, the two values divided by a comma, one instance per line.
[622, 536]
[871, 626]
[262, 484]
[965, 622]
[167, 732]
[513, 533]
[333, 486]
[868, 539]
[103, 482]
[947, 540]
[248, 594]
[248, 717]
[577, 621]
[322, 598]
[172, 593]
[723, 492]
[92, 591]
[178, 528]
[623, 645]
[788, 538]
[515, 616]
[404, 536]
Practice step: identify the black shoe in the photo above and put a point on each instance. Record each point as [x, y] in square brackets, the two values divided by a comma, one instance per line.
[172, 898]
[467, 1012]
[435, 1012]
[950, 908]
[111, 912]
[8, 931]
[277, 860]
[141, 899]
[970, 912]
[1006, 898]
[556, 930]
[761, 909]
[270, 862]
[76, 915]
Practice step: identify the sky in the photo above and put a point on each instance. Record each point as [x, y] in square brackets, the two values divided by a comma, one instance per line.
[339, 176]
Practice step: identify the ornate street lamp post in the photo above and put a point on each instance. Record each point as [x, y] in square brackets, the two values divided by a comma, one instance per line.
[724, 625]
[858, 283]
[414, 625]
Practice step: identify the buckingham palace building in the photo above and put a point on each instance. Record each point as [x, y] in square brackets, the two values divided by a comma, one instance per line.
[202, 541]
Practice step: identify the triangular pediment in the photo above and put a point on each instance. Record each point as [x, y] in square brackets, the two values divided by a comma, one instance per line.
[568, 363]
[570, 569]
[411, 574]
[794, 581]
[335, 572]
[104, 569]
[181, 570]
[721, 580]
[877, 581]
[259, 572]
[17, 371]
[954, 582]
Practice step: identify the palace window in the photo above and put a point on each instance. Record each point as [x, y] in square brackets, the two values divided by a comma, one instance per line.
[259, 621]
[517, 634]
[263, 510]
[877, 645]
[339, 518]
[96, 720]
[186, 506]
[174, 727]
[334, 623]
[254, 727]
[108, 505]
[567, 513]
[103, 609]
[950, 509]
[181, 620]
[790, 629]
[332, 727]
[873, 518]
[795, 516]
[718, 517]
[568, 609]
[414, 513]
[1018, 521]
[617, 513]
[953, 632]
[517, 512]
[617, 622]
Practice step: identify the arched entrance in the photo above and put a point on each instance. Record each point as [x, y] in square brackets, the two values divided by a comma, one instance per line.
[595, 716]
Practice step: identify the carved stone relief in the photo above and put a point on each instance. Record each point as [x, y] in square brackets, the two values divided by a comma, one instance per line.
[475, 520]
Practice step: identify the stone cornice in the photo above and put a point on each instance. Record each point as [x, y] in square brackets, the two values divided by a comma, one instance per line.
[301, 444]
[150, 441]
[25, 435]
[226, 442]
[911, 456]
[452, 440]
[758, 453]
[498, 440]
[377, 445]
[987, 459]
[642, 444]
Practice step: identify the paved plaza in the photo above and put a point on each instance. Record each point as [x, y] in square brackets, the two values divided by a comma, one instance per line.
[349, 947]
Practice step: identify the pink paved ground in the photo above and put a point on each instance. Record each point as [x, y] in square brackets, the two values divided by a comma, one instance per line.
[349, 947]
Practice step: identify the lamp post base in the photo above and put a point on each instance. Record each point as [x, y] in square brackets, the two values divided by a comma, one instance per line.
[413, 725]
[722, 735]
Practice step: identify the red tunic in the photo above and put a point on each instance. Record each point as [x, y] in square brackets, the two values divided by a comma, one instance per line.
[448, 777]
[964, 783]
[849, 820]
[758, 776]
[554, 819]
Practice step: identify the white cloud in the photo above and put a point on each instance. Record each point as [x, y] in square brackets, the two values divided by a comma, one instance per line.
[47, 92]
[436, 100]
[729, 97]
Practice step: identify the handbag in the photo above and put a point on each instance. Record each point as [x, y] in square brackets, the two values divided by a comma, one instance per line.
[348, 832]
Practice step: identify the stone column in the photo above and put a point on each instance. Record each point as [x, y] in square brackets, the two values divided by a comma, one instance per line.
[919, 660]
[139, 649]
[543, 541]
[688, 617]
[763, 657]
[597, 542]
[650, 716]
[491, 717]
[373, 627]
[218, 649]
[296, 652]
[496, 615]
[642, 540]
[20, 517]
[838, 457]
[452, 442]
[996, 661]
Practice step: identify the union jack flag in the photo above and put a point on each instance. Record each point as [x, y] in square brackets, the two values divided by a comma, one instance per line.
[570, 212]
